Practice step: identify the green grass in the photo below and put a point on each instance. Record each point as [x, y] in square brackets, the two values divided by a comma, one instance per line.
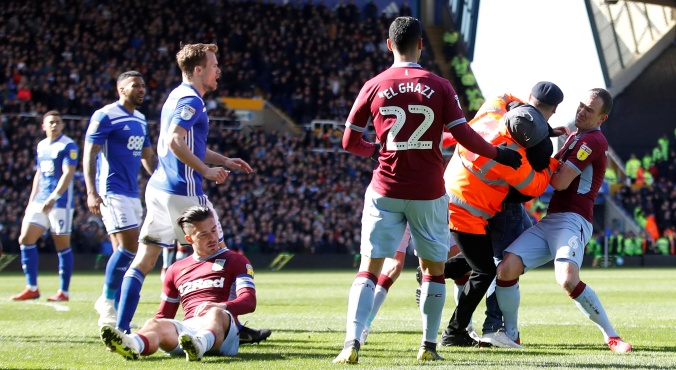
[306, 311]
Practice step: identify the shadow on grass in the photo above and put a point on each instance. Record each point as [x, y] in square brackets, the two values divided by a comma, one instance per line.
[58, 340]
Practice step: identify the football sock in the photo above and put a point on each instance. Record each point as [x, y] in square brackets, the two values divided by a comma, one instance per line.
[130, 293]
[588, 302]
[493, 320]
[384, 284]
[182, 252]
[458, 287]
[29, 263]
[117, 265]
[209, 339]
[509, 298]
[359, 304]
[140, 342]
[432, 298]
[65, 268]
[167, 256]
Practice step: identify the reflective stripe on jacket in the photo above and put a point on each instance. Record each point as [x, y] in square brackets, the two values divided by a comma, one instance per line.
[478, 185]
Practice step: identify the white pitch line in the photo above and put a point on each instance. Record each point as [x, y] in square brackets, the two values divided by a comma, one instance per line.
[57, 306]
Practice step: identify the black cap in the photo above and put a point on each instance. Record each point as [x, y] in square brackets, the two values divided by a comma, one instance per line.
[547, 92]
[527, 125]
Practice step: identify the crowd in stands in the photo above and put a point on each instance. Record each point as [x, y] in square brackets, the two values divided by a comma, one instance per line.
[298, 199]
[648, 196]
[306, 59]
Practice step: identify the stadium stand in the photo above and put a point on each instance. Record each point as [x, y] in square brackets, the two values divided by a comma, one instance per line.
[306, 59]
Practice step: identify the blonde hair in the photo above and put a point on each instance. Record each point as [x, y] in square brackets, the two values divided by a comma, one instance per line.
[193, 55]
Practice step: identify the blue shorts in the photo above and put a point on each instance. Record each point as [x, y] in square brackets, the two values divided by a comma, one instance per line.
[383, 225]
[558, 236]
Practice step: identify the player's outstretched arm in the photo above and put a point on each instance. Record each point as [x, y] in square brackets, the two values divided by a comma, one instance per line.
[180, 149]
[471, 140]
[236, 164]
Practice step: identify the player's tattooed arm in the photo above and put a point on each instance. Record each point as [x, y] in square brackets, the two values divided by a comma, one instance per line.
[94, 201]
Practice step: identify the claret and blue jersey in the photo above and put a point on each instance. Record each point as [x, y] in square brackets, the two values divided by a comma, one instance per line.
[123, 135]
[51, 157]
[184, 107]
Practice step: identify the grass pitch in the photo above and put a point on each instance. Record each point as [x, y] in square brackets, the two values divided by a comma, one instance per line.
[306, 312]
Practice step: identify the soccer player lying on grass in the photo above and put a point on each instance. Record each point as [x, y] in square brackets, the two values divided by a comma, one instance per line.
[203, 286]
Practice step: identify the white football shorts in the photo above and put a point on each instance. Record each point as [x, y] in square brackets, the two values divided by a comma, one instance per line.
[191, 326]
[163, 209]
[120, 212]
[59, 221]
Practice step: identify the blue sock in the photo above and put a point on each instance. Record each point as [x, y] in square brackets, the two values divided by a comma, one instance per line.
[29, 263]
[116, 304]
[65, 268]
[130, 293]
[117, 265]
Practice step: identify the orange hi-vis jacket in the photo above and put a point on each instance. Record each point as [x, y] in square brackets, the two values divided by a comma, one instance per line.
[477, 185]
[494, 109]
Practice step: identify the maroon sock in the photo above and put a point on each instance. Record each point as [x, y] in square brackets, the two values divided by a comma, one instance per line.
[368, 275]
[506, 283]
[461, 280]
[146, 350]
[434, 279]
[385, 282]
[578, 290]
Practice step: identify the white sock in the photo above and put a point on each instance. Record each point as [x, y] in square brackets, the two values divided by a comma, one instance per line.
[378, 300]
[181, 255]
[167, 256]
[359, 305]
[206, 337]
[140, 346]
[509, 299]
[588, 302]
[432, 299]
[457, 290]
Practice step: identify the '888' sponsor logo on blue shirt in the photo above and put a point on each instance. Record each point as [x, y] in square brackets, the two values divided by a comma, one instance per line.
[135, 144]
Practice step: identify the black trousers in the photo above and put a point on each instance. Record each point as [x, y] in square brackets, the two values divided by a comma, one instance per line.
[477, 256]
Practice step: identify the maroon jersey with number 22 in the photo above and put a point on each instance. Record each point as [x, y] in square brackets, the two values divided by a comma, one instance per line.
[409, 107]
